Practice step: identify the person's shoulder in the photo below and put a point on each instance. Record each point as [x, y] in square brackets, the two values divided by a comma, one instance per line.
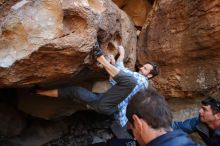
[180, 138]
[140, 77]
[217, 131]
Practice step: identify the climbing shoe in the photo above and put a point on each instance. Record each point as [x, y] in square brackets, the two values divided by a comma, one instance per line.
[97, 51]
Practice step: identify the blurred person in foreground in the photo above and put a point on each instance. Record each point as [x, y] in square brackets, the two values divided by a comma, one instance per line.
[150, 121]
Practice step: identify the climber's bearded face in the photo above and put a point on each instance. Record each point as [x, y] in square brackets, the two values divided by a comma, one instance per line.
[146, 70]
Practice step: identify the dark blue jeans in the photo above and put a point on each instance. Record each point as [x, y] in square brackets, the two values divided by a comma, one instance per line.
[107, 102]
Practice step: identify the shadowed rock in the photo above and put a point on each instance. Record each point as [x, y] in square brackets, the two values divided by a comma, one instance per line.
[12, 121]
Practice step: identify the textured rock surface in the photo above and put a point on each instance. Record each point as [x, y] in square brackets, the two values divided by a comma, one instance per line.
[44, 41]
[81, 128]
[183, 37]
[40, 131]
[138, 11]
[87, 128]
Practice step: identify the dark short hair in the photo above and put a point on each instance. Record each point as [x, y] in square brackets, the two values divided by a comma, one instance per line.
[151, 107]
[155, 71]
[215, 104]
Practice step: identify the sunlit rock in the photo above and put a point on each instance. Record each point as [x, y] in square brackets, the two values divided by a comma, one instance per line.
[45, 41]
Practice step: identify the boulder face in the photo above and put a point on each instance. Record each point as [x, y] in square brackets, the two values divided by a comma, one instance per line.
[44, 41]
[183, 38]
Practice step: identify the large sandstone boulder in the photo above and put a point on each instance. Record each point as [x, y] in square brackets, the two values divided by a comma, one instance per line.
[49, 43]
[183, 37]
[45, 41]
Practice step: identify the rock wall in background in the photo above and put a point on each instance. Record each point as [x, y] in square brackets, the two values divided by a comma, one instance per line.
[43, 41]
[137, 10]
[183, 37]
